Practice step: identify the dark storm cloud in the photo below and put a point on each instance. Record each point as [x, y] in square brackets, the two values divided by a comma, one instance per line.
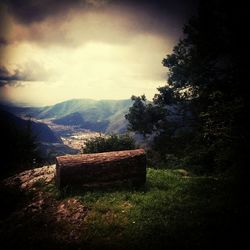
[29, 11]
[161, 17]
[3, 42]
[28, 72]
[50, 21]
[6, 77]
[177, 9]
[23, 74]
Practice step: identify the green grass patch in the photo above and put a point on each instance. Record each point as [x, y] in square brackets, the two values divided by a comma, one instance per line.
[173, 211]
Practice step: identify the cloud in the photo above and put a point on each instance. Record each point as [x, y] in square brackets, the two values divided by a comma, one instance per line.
[86, 48]
[5, 75]
[29, 72]
[30, 11]
[74, 22]
[10, 78]
[3, 42]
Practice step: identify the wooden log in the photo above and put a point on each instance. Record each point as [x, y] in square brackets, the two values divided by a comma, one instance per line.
[102, 169]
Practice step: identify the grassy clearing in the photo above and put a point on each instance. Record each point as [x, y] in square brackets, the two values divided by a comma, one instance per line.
[173, 211]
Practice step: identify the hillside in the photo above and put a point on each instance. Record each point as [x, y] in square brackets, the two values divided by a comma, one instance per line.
[102, 115]
[40, 131]
[21, 111]
[71, 119]
[76, 119]
[175, 210]
[26, 143]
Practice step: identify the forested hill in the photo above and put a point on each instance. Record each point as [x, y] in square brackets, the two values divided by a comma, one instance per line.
[90, 109]
[101, 115]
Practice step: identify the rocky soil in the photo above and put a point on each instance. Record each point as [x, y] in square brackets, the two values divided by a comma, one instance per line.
[40, 212]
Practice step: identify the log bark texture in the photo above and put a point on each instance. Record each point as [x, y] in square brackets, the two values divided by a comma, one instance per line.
[102, 169]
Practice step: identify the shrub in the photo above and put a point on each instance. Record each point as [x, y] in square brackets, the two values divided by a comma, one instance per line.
[109, 143]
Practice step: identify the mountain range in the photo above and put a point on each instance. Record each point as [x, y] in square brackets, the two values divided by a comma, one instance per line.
[104, 115]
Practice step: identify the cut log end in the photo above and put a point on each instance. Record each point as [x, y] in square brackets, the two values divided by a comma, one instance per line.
[102, 169]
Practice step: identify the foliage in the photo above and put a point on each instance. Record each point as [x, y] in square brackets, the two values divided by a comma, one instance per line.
[143, 116]
[109, 143]
[202, 108]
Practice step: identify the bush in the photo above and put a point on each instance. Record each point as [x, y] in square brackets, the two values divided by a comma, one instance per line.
[109, 143]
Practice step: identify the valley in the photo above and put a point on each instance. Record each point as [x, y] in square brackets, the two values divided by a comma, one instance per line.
[72, 136]
[77, 139]
[63, 128]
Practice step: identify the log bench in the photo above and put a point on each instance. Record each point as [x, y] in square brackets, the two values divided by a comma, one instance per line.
[107, 169]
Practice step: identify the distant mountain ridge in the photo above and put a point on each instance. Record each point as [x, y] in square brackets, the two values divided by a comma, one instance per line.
[76, 119]
[102, 115]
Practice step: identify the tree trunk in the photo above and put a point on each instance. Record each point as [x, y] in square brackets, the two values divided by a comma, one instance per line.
[102, 169]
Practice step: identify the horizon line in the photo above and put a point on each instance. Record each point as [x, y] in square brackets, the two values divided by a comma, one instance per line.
[24, 104]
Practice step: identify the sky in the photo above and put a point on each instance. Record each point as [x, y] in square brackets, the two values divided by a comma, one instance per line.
[51, 50]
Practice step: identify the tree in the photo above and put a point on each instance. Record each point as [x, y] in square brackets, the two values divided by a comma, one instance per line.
[144, 117]
[207, 87]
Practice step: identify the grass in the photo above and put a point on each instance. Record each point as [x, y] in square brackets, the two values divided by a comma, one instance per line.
[173, 211]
